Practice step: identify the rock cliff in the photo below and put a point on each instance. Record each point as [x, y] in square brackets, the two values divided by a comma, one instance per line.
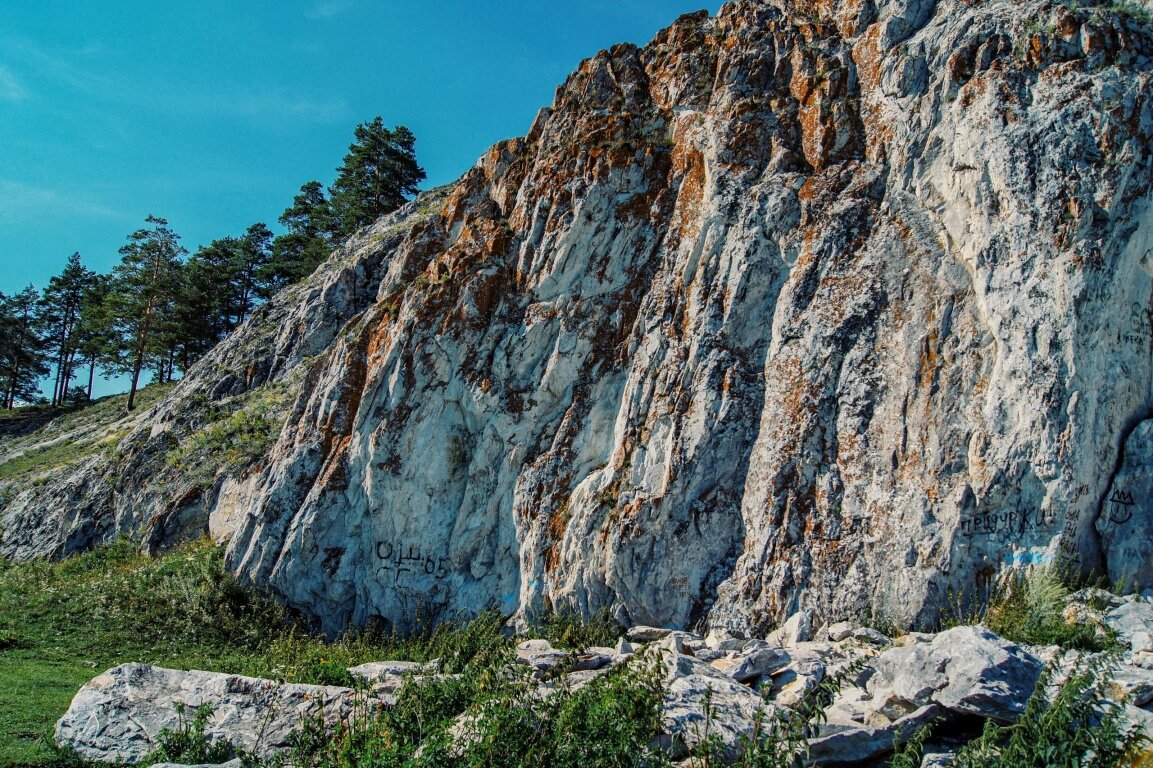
[841, 305]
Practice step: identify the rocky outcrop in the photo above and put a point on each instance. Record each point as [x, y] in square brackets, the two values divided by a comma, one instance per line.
[840, 307]
[119, 716]
[120, 475]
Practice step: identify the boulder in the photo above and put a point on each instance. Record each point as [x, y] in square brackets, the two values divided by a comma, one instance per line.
[753, 662]
[798, 628]
[733, 707]
[968, 670]
[642, 634]
[117, 716]
[840, 631]
[839, 744]
[382, 671]
[725, 640]
[1132, 620]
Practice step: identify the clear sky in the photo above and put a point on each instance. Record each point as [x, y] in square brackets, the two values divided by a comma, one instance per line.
[212, 114]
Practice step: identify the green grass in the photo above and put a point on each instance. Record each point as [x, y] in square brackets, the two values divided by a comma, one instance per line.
[50, 447]
[63, 623]
[1029, 608]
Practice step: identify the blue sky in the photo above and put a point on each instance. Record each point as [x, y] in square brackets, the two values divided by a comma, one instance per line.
[212, 114]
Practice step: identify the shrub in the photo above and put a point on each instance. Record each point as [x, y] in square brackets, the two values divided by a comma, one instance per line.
[188, 744]
[572, 631]
[1029, 608]
[1077, 726]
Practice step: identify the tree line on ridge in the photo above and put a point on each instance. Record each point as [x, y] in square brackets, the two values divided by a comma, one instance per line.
[160, 309]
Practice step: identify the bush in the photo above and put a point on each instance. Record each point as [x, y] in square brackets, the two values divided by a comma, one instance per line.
[1030, 608]
[573, 631]
[1077, 726]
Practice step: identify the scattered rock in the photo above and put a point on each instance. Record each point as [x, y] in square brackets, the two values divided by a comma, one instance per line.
[839, 744]
[647, 634]
[752, 662]
[734, 707]
[840, 631]
[1131, 620]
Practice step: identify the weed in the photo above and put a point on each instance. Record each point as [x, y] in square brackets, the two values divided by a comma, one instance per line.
[1076, 726]
[782, 739]
[911, 753]
[188, 744]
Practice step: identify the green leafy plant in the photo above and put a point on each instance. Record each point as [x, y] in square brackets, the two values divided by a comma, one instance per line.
[1077, 726]
[911, 753]
[188, 744]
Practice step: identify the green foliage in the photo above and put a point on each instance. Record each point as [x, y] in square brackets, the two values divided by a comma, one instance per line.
[22, 348]
[72, 619]
[610, 722]
[1029, 608]
[1077, 727]
[142, 299]
[188, 745]
[378, 176]
[73, 434]
[572, 631]
[232, 441]
[1130, 9]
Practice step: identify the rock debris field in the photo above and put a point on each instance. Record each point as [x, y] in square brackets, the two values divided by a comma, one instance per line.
[886, 689]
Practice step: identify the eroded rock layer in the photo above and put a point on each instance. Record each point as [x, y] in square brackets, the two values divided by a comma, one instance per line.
[841, 306]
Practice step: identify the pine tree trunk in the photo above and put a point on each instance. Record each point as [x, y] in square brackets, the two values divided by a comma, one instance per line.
[137, 366]
[91, 375]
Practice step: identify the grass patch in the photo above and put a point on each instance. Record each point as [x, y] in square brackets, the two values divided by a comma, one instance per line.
[66, 622]
[74, 434]
[1030, 608]
[234, 437]
[63, 623]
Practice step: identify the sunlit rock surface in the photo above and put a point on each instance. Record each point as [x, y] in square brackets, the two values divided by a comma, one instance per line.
[835, 306]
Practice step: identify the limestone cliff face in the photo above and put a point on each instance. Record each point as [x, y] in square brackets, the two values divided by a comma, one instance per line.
[838, 305]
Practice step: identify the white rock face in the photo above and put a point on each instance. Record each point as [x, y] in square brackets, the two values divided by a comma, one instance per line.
[832, 308]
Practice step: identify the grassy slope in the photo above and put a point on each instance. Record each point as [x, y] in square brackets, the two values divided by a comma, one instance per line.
[70, 435]
[63, 623]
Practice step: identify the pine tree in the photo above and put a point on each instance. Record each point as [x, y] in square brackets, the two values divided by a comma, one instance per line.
[22, 355]
[378, 176]
[141, 302]
[95, 332]
[61, 307]
[305, 245]
[251, 264]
